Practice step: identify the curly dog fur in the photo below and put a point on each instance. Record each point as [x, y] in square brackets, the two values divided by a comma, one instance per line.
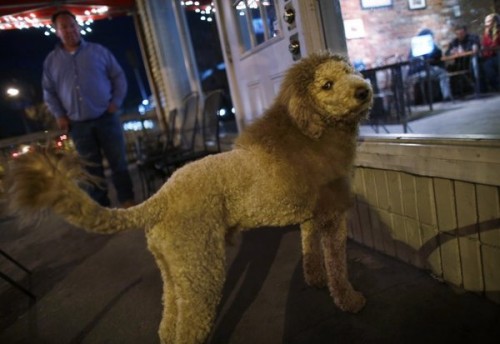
[292, 166]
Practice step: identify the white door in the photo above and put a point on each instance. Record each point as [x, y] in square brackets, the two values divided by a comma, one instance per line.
[257, 36]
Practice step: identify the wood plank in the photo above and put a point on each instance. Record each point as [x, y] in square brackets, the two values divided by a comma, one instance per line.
[465, 198]
[445, 204]
[488, 210]
[425, 200]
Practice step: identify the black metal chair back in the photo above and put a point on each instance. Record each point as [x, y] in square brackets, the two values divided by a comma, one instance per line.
[189, 126]
[212, 104]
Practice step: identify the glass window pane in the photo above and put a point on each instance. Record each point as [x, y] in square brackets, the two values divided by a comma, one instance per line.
[257, 21]
[272, 20]
[243, 24]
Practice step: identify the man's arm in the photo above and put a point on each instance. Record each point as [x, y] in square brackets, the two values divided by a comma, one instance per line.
[52, 100]
[118, 83]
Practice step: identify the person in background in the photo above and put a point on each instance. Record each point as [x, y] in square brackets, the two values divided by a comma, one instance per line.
[432, 61]
[83, 87]
[463, 52]
[490, 46]
[463, 42]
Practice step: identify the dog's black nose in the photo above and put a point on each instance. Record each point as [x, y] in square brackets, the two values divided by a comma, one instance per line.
[361, 93]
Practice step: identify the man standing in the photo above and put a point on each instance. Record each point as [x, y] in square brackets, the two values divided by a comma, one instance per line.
[83, 87]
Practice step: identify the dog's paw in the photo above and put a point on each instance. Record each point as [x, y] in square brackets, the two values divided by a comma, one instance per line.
[315, 280]
[352, 302]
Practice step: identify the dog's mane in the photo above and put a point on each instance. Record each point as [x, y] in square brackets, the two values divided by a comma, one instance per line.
[273, 129]
[276, 128]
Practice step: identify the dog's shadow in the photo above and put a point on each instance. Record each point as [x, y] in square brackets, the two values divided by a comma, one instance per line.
[246, 276]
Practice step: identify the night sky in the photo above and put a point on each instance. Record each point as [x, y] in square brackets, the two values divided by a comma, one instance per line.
[23, 52]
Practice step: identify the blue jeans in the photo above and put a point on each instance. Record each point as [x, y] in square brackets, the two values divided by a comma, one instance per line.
[435, 73]
[100, 137]
[491, 73]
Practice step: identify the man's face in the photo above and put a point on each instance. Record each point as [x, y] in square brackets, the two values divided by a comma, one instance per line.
[460, 33]
[68, 30]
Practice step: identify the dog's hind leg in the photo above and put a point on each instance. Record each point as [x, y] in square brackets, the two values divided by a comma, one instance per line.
[312, 255]
[198, 274]
[333, 242]
[166, 330]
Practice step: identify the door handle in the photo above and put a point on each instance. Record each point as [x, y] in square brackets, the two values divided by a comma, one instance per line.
[294, 47]
[289, 15]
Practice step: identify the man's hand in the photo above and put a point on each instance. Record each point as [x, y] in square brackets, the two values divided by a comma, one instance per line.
[112, 108]
[63, 123]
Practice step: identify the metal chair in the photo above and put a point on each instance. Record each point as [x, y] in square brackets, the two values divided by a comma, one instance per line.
[211, 122]
[182, 147]
[148, 151]
[422, 80]
[199, 138]
[463, 75]
[160, 161]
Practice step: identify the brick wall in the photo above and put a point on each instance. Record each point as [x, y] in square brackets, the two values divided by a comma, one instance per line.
[388, 30]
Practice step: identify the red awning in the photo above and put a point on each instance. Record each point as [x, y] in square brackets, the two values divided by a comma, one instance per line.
[22, 14]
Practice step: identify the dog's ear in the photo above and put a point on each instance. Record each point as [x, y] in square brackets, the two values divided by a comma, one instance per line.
[309, 122]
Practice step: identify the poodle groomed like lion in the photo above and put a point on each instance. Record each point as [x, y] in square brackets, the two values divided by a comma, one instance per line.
[292, 166]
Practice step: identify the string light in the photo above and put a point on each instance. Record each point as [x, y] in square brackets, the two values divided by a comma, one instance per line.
[32, 21]
[206, 11]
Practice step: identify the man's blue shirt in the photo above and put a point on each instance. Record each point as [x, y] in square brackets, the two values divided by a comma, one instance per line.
[82, 84]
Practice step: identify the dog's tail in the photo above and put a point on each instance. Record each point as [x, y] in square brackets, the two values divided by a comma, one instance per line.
[46, 180]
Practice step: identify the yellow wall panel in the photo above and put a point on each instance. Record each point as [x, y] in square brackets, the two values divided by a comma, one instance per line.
[357, 181]
[489, 213]
[409, 195]
[425, 200]
[378, 241]
[386, 231]
[382, 189]
[470, 257]
[445, 204]
[491, 259]
[465, 195]
[394, 187]
[364, 220]
[403, 251]
[414, 240]
[452, 271]
[430, 249]
[370, 186]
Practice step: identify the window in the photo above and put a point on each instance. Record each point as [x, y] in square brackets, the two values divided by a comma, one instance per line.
[257, 22]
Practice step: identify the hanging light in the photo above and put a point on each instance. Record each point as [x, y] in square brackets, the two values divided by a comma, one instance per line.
[12, 92]
[32, 21]
[206, 12]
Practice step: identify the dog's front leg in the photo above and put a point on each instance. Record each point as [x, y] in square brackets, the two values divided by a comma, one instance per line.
[312, 255]
[333, 233]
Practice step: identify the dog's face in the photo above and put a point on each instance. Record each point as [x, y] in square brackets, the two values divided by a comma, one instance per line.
[339, 92]
[325, 90]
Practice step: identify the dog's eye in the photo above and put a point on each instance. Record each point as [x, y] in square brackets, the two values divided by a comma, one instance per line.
[327, 85]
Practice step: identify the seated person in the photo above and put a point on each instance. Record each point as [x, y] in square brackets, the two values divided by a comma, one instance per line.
[463, 42]
[490, 48]
[425, 58]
